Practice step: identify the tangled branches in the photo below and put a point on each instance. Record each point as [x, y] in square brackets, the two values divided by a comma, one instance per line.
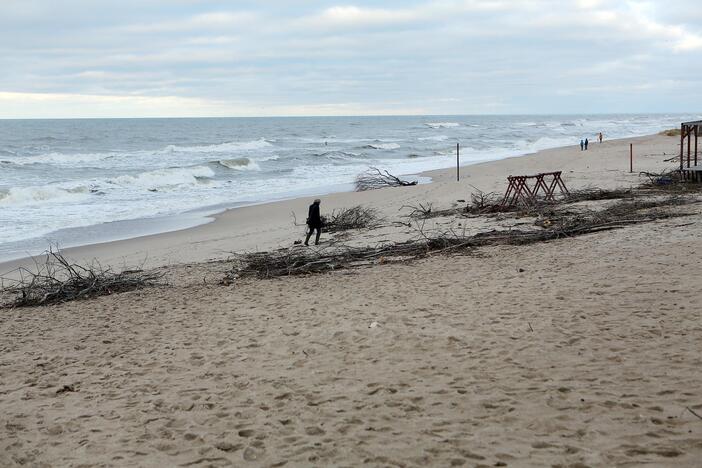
[58, 280]
[553, 224]
[357, 217]
[374, 178]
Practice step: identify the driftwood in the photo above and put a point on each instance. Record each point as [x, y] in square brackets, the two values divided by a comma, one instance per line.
[374, 178]
[552, 225]
[58, 280]
[357, 217]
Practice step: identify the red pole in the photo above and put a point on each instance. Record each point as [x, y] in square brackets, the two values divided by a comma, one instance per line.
[631, 157]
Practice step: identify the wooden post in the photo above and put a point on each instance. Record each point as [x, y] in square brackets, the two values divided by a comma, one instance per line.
[682, 143]
[458, 162]
[696, 132]
[631, 157]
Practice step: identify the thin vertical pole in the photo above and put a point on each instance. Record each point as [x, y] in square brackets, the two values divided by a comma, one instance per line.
[682, 142]
[696, 131]
[689, 150]
[458, 162]
[631, 157]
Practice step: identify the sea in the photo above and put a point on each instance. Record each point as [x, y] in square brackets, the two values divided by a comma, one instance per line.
[76, 182]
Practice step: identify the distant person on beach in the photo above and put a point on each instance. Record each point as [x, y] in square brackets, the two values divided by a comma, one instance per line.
[314, 222]
[599, 137]
[586, 142]
[582, 145]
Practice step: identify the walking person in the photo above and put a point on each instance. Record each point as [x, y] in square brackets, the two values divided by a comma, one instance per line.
[582, 145]
[314, 222]
[599, 137]
[586, 142]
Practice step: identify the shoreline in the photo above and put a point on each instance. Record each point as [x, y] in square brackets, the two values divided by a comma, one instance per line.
[164, 247]
[576, 351]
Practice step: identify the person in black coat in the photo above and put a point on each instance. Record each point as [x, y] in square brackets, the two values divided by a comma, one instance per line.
[314, 222]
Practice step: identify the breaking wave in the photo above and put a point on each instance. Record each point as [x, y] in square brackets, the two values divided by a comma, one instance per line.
[163, 178]
[382, 146]
[239, 164]
[34, 195]
[434, 138]
[442, 124]
[229, 147]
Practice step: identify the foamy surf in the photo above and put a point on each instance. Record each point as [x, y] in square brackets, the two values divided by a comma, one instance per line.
[164, 178]
[75, 173]
[228, 147]
[442, 124]
[239, 164]
[383, 146]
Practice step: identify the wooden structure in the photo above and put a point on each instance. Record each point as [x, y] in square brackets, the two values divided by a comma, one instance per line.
[689, 167]
[528, 189]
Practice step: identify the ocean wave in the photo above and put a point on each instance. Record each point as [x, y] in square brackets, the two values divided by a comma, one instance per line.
[61, 158]
[239, 164]
[228, 147]
[340, 155]
[382, 146]
[442, 124]
[165, 178]
[434, 138]
[42, 194]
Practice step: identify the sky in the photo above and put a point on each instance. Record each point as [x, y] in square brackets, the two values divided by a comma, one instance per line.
[178, 58]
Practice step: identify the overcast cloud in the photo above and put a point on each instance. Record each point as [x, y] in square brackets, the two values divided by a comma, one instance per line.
[134, 58]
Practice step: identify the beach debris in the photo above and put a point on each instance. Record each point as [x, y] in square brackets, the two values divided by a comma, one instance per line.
[562, 222]
[356, 217]
[671, 132]
[65, 388]
[57, 280]
[373, 325]
[374, 178]
[693, 412]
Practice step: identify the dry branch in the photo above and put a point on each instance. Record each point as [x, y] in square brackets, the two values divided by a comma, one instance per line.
[58, 280]
[374, 178]
[559, 224]
[357, 217]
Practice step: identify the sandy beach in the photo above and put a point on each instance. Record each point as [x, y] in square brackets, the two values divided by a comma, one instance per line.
[572, 353]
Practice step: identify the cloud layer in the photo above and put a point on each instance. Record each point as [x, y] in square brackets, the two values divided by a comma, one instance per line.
[94, 58]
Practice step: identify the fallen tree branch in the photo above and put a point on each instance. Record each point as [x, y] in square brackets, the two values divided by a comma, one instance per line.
[287, 262]
[58, 280]
[374, 178]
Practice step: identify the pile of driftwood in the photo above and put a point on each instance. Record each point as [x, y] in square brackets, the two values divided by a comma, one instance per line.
[374, 178]
[551, 223]
[58, 280]
[357, 217]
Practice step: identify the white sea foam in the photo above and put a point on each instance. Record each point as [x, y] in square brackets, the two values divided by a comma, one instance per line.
[45, 194]
[229, 147]
[442, 124]
[239, 164]
[434, 138]
[383, 146]
[164, 178]
[57, 158]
